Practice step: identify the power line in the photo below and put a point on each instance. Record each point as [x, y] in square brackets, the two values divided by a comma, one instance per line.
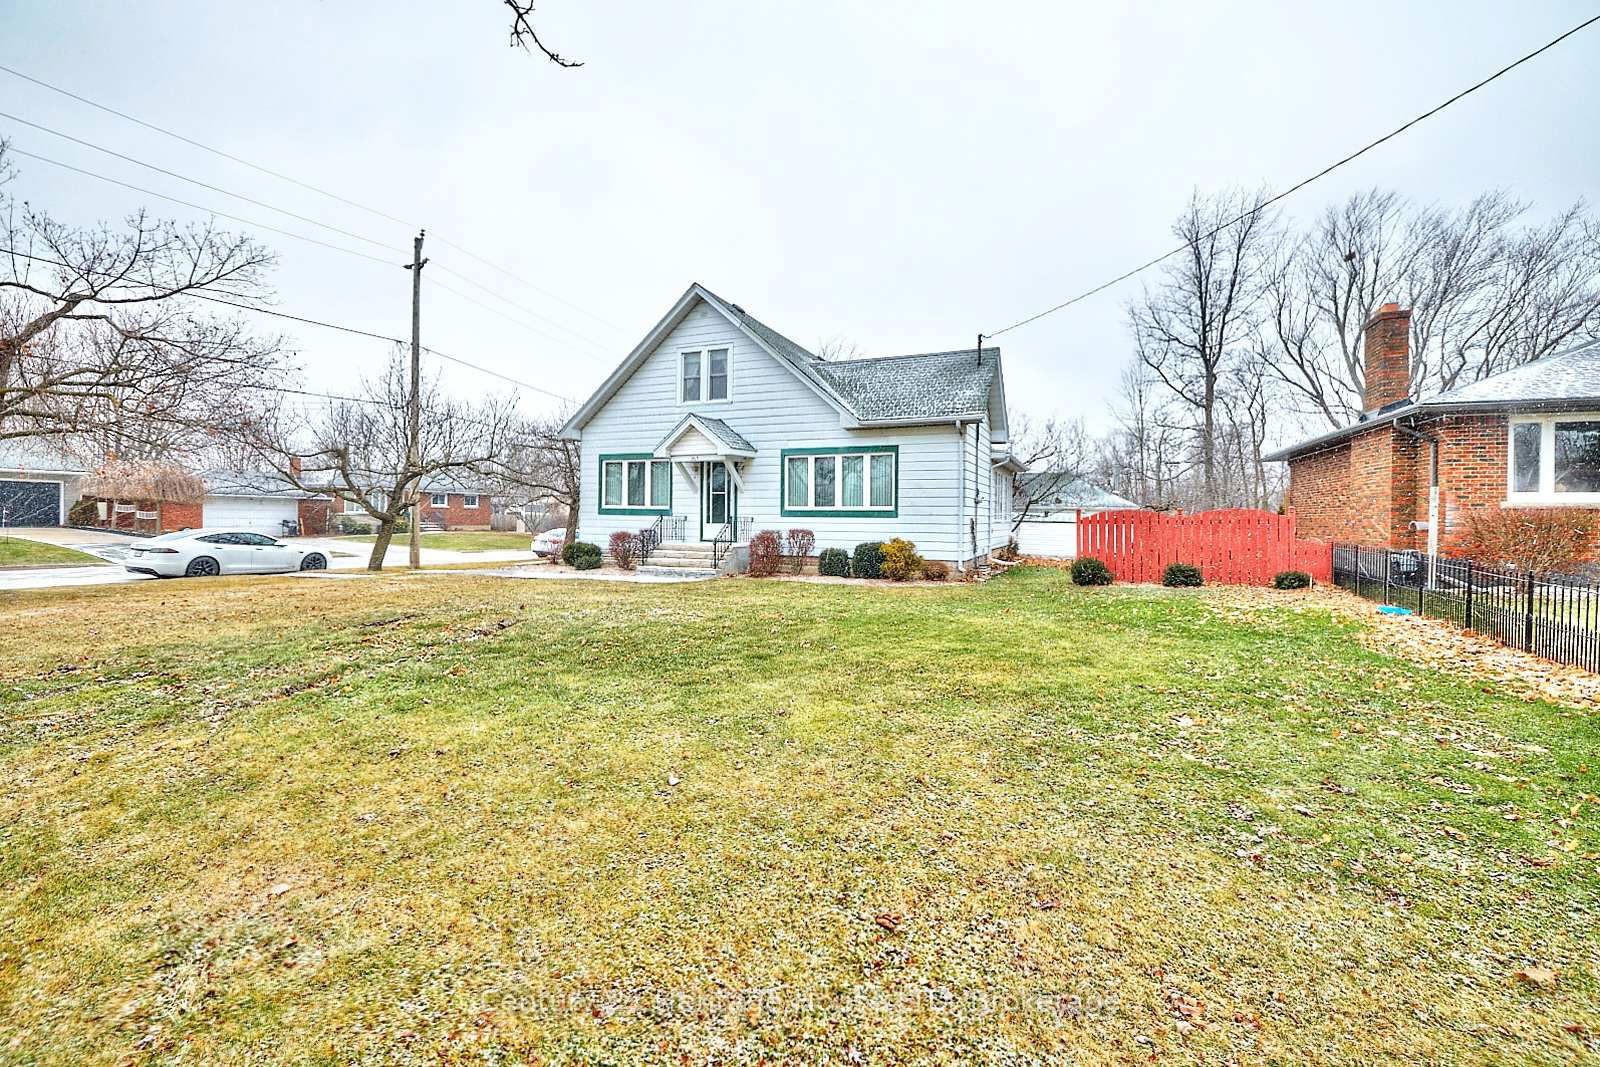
[293, 181]
[198, 207]
[1306, 181]
[306, 320]
[291, 214]
[491, 309]
[196, 181]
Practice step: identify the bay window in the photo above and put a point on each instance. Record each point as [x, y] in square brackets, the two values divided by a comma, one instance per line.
[704, 375]
[857, 481]
[635, 482]
[1554, 459]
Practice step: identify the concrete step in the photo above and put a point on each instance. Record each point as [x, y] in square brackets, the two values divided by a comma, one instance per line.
[690, 562]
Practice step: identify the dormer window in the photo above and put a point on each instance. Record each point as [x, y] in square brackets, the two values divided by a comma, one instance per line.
[704, 376]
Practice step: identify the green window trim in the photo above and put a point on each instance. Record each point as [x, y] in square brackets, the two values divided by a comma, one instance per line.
[623, 509]
[891, 512]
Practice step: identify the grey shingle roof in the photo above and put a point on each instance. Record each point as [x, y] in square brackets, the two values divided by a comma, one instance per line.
[726, 434]
[930, 385]
[1565, 380]
[1070, 495]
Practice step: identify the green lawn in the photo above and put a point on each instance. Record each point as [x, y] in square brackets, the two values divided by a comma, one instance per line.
[470, 820]
[463, 540]
[16, 552]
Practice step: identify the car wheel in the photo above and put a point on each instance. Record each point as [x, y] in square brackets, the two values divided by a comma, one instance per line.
[202, 567]
[314, 561]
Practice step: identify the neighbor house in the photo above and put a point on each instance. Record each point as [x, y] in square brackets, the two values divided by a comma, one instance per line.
[1408, 473]
[1050, 505]
[445, 506]
[716, 426]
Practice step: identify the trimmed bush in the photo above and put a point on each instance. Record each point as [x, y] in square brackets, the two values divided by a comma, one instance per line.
[935, 571]
[581, 555]
[1291, 580]
[624, 549]
[868, 560]
[1182, 576]
[835, 562]
[1086, 570]
[766, 553]
[900, 560]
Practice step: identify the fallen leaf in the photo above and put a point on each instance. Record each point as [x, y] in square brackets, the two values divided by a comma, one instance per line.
[1543, 977]
[672, 778]
[278, 890]
[890, 920]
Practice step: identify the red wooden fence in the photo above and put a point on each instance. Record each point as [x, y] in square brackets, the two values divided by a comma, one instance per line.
[1233, 547]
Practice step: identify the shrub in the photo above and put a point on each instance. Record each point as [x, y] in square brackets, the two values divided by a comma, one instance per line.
[1291, 580]
[935, 571]
[868, 560]
[766, 552]
[83, 513]
[1010, 553]
[834, 561]
[798, 547]
[1530, 539]
[1182, 576]
[581, 555]
[900, 560]
[1086, 570]
[624, 549]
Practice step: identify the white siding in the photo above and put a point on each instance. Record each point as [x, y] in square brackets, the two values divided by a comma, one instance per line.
[1056, 536]
[774, 410]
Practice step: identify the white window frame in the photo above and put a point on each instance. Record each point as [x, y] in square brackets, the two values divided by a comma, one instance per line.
[1545, 496]
[705, 373]
[438, 500]
[469, 500]
[649, 485]
[352, 507]
[838, 482]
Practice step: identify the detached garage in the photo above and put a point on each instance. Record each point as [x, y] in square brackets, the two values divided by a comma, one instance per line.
[1051, 528]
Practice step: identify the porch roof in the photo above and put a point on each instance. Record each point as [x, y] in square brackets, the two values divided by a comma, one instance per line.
[725, 440]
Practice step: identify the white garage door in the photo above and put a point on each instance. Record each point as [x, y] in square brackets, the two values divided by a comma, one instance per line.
[1052, 537]
[259, 514]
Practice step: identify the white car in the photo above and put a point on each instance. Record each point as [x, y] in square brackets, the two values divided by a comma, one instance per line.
[549, 543]
[205, 553]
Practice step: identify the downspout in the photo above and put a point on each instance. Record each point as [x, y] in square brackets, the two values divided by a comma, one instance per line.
[1433, 492]
[961, 491]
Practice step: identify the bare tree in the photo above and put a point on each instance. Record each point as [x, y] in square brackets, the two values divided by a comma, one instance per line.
[1192, 326]
[104, 334]
[522, 33]
[357, 451]
[540, 465]
[1484, 296]
[1056, 453]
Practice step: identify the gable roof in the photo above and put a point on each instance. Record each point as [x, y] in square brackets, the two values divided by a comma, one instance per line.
[930, 387]
[715, 429]
[1562, 381]
[1070, 495]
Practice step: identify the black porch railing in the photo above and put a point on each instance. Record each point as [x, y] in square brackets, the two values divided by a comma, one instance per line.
[650, 538]
[1552, 615]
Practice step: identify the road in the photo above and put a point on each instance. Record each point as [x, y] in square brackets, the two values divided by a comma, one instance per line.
[114, 548]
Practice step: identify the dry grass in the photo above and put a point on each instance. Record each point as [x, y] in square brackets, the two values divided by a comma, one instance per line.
[465, 820]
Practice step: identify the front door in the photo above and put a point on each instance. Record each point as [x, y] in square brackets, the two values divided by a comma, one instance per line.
[719, 499]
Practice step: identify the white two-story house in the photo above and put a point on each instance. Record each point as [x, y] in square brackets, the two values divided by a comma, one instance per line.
[717, 426]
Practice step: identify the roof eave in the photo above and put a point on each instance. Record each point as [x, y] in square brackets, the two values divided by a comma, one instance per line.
[1479, 407]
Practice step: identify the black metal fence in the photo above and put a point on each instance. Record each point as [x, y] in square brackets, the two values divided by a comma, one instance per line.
[1552, 615]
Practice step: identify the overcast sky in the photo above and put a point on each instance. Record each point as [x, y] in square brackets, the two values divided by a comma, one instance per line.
[894, 175]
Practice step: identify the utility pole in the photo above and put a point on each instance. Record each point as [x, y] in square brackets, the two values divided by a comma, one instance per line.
[414, 414]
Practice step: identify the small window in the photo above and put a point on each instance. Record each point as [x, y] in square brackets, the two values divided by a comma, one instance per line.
[636, 476]
[439, 500]
[882, 481]
[851, 482]
[660, 483]
[470, 500]
[691, 377]
[1577, 457]
[798, 493]
[613, 484]
[822, 482]
[1525, 441]
[717, 374]
[352, 507]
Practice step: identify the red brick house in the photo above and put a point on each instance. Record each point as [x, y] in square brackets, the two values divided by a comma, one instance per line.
[452, 509]
[1408, 472]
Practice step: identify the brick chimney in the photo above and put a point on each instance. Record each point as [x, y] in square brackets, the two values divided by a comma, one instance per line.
[1388, 352]
[294, 466]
